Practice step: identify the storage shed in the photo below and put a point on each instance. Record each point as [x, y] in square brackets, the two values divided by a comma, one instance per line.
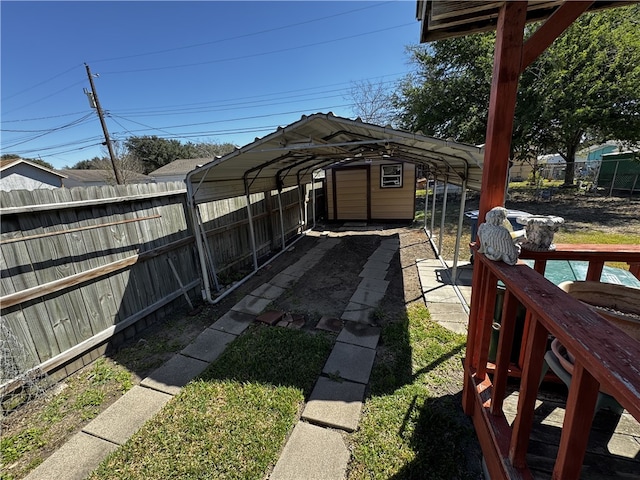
[379, 189]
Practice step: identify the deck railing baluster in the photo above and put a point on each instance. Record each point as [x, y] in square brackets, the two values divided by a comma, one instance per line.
[503, 357]
[575, 325]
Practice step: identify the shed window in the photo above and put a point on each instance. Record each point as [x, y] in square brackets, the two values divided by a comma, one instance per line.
[391, 176]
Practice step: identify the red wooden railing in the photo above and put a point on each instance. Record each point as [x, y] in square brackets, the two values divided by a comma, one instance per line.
[605, 356]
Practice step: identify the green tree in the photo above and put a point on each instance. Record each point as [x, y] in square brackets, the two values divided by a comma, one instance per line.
[154, 152]
[584, 89]
[96, 163]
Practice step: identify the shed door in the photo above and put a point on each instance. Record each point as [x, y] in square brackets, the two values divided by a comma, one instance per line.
[351, 193]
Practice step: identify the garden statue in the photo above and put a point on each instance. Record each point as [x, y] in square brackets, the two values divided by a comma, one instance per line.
[498, 241]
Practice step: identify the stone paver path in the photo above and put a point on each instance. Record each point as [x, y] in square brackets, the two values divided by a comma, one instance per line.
[315, 449]
[336, 400]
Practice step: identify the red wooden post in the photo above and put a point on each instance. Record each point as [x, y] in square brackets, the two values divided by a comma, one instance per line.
[502, 104]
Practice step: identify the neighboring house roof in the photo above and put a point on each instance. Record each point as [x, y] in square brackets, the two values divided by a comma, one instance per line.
[5, 164]
[180, 167]
[105, 176]
[19, 174]
[553, 158]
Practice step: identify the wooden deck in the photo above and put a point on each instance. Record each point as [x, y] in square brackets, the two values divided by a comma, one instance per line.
[613, 450]
[520, 445]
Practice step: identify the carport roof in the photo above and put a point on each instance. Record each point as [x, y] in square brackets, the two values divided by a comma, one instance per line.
[289, 155]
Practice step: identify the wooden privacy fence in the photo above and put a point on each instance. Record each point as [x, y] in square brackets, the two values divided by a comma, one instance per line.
[85, 267]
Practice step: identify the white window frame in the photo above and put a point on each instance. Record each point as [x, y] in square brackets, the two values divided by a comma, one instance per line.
[392, 179]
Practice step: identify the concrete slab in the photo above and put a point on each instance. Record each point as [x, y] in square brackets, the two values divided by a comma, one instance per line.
[326, 244]
[330, 324]
[123, 418]
[175, 374]
[374, 284]
[364, 296]
[374, 272]
[390, 244]
[252, 305]
[75, 460]
[283, 280]
[312, 453]
[266, 290]
[356, 312]
[296, 270]
[461, 318]
[456, 327]
[439, 309]
[233, 322]
[350, 362]
[209, 345]
[359, 334]
[382, 255]
[443, 295]
[312, 258]
[335, 404]
[375, 264]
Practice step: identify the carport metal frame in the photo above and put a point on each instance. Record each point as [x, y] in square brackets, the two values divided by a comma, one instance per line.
[291, 155]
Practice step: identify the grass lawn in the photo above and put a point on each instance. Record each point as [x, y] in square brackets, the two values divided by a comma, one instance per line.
[413, 425]
[232, 422]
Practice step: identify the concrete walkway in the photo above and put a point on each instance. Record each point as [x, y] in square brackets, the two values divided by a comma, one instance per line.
[315, 448]
[447, 304]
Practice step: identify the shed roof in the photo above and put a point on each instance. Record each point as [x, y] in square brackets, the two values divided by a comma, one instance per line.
[289, 155]
[445, 18]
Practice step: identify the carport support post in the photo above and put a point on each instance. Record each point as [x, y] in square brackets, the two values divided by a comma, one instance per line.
[426, 201]
[300, 204]
[251, 231]
[313, 192]
[456, 254]
[205, 250]
[444, 212]
[433, 204]
[281, 219]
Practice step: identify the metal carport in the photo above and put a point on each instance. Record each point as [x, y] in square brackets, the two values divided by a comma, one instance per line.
[289, 156]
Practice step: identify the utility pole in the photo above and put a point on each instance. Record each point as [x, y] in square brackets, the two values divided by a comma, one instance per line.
[95, 103]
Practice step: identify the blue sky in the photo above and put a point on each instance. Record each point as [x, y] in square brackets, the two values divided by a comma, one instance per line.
[194, 71]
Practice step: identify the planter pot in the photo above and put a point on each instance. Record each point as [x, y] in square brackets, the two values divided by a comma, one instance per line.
[618, 304]
[540, 230]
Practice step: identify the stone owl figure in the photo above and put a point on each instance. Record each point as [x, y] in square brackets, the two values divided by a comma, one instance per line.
[496, 241]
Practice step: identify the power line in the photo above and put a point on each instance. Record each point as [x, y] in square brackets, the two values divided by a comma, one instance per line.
[38, 84]
[253, 55]
[45, 98]
[225, 105]
[56, 129]
[245, 35]
[41, 118]
[253, 117]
